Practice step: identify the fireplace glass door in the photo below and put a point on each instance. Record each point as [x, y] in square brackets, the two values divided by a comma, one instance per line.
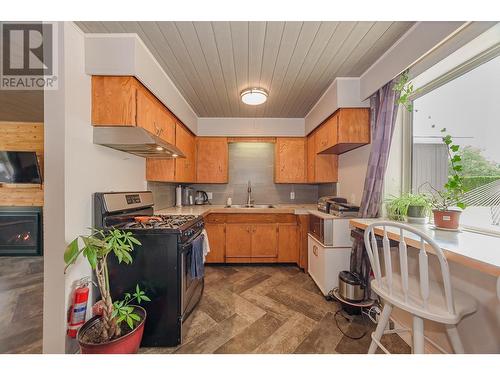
[20, 231]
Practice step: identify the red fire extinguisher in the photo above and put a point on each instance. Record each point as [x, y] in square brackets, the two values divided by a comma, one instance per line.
[78, 309]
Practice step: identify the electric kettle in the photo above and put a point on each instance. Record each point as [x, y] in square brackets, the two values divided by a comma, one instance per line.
[201, 197]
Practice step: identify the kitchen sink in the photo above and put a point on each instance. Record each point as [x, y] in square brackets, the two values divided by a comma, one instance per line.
[251, 206]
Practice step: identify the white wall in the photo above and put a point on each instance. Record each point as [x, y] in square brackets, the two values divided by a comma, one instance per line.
[344, 92]
[88, 168]
[251, 127]
[126, 54]
[352, 172]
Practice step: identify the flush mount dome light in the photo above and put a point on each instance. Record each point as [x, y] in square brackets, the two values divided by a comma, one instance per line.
[254, 96]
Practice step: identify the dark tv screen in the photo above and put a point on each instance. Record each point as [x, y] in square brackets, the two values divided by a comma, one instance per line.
[19, 167]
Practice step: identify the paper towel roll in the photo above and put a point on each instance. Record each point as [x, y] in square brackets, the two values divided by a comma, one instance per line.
[178, 196]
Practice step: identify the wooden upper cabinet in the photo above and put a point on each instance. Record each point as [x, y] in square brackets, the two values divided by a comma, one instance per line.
[327, 136]
[290, 160]
[326, 168]
[185, 168]
[211, 160]
[160, 170]
[321, 168]
[114, 101]
[124, 101]
[345, 130]
[311, 157]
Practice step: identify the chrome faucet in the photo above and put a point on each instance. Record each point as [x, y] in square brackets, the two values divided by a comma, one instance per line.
[249, 196]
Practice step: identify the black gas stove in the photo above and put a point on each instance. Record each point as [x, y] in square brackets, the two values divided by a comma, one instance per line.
[161, 265]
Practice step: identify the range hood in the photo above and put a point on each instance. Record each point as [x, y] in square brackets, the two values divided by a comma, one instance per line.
[135, 140]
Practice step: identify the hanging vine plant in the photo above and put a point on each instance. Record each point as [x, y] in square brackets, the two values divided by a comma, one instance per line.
[405, 89]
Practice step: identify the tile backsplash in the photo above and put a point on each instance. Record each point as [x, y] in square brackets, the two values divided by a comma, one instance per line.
[251, 161]
[248, 161]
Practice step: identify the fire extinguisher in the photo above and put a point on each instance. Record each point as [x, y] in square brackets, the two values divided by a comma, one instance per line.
[78, 309]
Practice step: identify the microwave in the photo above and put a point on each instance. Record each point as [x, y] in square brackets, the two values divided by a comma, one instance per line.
[321, 229]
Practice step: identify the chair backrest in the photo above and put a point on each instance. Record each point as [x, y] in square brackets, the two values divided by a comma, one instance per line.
[424, 241]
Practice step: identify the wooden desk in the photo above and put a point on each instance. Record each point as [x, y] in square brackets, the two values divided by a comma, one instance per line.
[474, 250]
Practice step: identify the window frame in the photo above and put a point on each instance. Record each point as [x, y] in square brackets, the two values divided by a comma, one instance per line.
[454, 73]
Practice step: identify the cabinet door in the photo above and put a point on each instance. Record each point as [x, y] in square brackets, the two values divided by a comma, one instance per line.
[114, 101]
[326, 135]
[167, 125]
[185, 167]
[238, 240]
[265, 240]
[290, 160]
[217, 240]
[160, 170]
[211, 160]
[147, 112]
[354, 125]
[326, 168]
[288, 243]
[311, 157]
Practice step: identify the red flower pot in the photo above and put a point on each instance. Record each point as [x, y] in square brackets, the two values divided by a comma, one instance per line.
[126, 344]
[447, 219]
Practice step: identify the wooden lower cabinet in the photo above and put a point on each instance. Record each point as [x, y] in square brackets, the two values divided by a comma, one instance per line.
[288, 243]
[238, 240]
[217, 239]
[264, 240]
[254, 238]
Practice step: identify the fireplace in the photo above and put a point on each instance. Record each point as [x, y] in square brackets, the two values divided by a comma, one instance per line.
[20, 231]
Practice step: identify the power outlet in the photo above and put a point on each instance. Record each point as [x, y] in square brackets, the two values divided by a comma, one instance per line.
[209, 194]
[292, 195]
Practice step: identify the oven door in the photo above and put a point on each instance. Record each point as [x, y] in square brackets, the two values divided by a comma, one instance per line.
[317, 227]
[191, 288]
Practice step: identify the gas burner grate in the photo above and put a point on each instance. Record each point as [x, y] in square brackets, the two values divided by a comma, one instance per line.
[158, 222]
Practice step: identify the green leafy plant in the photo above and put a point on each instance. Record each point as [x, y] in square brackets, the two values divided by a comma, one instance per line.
[123, 312]
[96, 248]
[405, 89]
[454, 189]
[397, 207]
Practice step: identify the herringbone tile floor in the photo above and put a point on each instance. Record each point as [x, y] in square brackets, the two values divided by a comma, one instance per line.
[270, 309]
[21, 304]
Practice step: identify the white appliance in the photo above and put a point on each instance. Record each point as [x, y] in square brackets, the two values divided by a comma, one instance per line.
[325, 262]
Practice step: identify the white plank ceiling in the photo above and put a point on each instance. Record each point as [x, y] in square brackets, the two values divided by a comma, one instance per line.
[212, 62]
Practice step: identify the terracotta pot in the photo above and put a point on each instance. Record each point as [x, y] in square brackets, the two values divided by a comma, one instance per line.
[447, 219]
[126, 344]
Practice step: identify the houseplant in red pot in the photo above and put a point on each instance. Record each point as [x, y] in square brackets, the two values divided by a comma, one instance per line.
[448, 203]
[119, 329]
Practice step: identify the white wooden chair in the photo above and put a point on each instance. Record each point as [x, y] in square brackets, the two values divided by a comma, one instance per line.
[422, 298]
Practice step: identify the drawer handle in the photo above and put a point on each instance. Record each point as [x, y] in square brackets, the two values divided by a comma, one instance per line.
[315, 250]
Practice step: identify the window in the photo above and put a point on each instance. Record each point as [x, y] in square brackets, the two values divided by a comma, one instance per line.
[467, 105]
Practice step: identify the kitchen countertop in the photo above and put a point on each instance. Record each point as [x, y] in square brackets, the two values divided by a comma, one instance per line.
[297, 209]
[474, 250]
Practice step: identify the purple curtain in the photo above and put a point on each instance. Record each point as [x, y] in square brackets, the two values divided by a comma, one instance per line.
[384, 106]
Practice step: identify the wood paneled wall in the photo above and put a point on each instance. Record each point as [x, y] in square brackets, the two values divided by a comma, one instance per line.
[22, 136]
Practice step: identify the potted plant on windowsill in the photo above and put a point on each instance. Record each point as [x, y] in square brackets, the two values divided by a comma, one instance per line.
[415, 208]
[120, 327]
[448, 203]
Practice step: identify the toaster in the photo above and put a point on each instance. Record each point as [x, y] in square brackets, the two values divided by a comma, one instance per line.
[324, 203]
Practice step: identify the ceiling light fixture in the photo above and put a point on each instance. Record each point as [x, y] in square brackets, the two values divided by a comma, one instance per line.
[254, 96]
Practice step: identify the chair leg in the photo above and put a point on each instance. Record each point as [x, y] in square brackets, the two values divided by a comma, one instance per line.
[379, 331]
[418, 335]
[455, 340]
